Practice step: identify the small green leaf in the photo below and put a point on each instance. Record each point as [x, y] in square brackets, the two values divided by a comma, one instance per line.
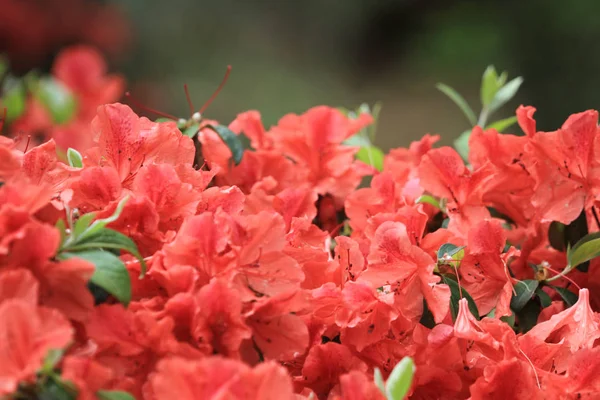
[545, 300]
[489, 85]
[191, 131]
[57, 99]
[14, 98]
[109, 239]
[429, 200]
[427, 319]
[459, 101]
[502, 124]
[110, 274]
[74, 157]
[231, 140]
[461, 144]
[525, 290]
[455, 298]
[568, 297]
[509, 319]
[56, 389]
[505, 94]
[51, 360]
[502, 78]
[83, 223]
[114, 395]
[378, 378]
[371, 155]
[62, 229]
[556, 235]
[372, 129]
[101, 223]
[584, 250]
[527, 316]
[400, 380]
[450, 254]
[358, 140]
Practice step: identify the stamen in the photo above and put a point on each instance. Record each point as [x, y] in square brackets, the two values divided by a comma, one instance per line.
[214, 95]
[458, 281]
[537, 378]
[27, 144]
[563, 276]
[189, 99]
[148, 109]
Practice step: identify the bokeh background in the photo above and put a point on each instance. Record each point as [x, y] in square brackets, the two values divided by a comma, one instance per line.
[289, 55]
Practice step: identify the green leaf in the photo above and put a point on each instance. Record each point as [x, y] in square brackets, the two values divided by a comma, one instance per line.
[545, 300]
[372, 129]
[502, 124]
[51, 360]
[358, 141]
[101, 223]
[56, 390]
[427, 319]
[57, 99]
[459, 101]
[371, 155]
[556, 235]
[568, 297]
[74, 157]
[378, 378]
[400, 380]
[455, 298]
[525, 290]
[231, 140]
[489, 85]
[114, 395]
[502, 78]
[429, 200]
[509, 319]
[450, 254]
[584, 250]
[527, 316]
[110, 274]
[14, 99]
[191, 131]
[83, 223]
[62, 229]
[505, 94]
[461, 144]
[109, 239]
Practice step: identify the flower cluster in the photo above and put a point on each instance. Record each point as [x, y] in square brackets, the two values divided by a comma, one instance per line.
[277, 275]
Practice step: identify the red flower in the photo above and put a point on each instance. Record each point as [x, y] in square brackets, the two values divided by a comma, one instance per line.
[325, 364]
[277, 332]
[127, 142]
[564, 165]
[27, 333]
[218, 323]
[394, 260]
[483, 271]
[366, 315]
[215, 378]
[443, 173]
[510, 379]
[87, 375]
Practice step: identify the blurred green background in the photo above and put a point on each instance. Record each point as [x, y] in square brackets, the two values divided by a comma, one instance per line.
[290, 55]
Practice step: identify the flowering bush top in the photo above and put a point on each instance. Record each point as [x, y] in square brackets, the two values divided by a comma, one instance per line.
[161, 260]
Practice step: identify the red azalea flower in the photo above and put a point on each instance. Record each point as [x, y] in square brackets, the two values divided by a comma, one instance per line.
[394, 260]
